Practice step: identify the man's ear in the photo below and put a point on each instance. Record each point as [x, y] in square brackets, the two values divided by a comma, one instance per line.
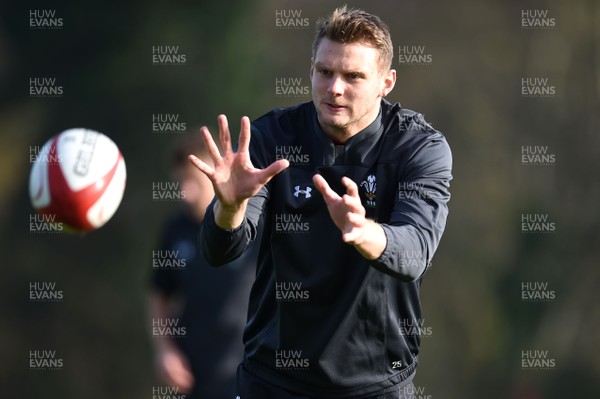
[312, 64]
[389, 81]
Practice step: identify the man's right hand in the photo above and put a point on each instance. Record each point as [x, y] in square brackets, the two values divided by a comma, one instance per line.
[233, 176]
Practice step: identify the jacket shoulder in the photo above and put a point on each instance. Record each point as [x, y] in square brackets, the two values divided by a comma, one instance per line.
[281, 121]
[407, 133]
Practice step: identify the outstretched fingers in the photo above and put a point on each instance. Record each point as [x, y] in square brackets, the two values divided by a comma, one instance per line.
[224, 135]
[353, 229]
[351, 198]
[351, 187]
[212, 148]
[266, 174]
[202, 166]
[244, 140]
[324, 188]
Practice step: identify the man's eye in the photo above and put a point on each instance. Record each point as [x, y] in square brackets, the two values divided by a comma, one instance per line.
[353, 76]
[325, 72]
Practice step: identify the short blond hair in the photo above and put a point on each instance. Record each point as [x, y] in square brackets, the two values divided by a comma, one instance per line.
[354, 25]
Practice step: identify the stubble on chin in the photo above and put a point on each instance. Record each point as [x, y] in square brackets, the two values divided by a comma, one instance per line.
[331, 123]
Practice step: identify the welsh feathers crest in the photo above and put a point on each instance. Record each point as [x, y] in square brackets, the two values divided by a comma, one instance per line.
[370, 186]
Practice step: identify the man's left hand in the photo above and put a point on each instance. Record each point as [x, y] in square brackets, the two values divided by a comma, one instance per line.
[348, 214]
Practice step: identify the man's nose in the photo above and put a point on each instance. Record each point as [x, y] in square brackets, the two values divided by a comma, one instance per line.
[336, 86]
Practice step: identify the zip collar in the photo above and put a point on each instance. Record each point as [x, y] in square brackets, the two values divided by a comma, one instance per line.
[339, 153]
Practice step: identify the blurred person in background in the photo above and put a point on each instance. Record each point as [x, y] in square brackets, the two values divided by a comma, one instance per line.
[211, 304]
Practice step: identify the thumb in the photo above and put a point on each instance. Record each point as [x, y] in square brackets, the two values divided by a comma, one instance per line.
[270, 171]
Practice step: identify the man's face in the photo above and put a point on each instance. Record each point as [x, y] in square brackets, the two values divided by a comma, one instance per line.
[347, 85]
[197, 189]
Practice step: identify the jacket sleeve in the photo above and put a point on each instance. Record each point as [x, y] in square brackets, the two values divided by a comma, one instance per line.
[220, 246]
[418, 217]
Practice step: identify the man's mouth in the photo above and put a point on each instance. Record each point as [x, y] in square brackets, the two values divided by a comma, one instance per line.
[334, 107]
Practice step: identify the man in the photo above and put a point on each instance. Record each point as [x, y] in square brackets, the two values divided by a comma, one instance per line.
[200, 355]
[371, 187]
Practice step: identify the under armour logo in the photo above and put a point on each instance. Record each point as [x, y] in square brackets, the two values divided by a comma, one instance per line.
[305, 192]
